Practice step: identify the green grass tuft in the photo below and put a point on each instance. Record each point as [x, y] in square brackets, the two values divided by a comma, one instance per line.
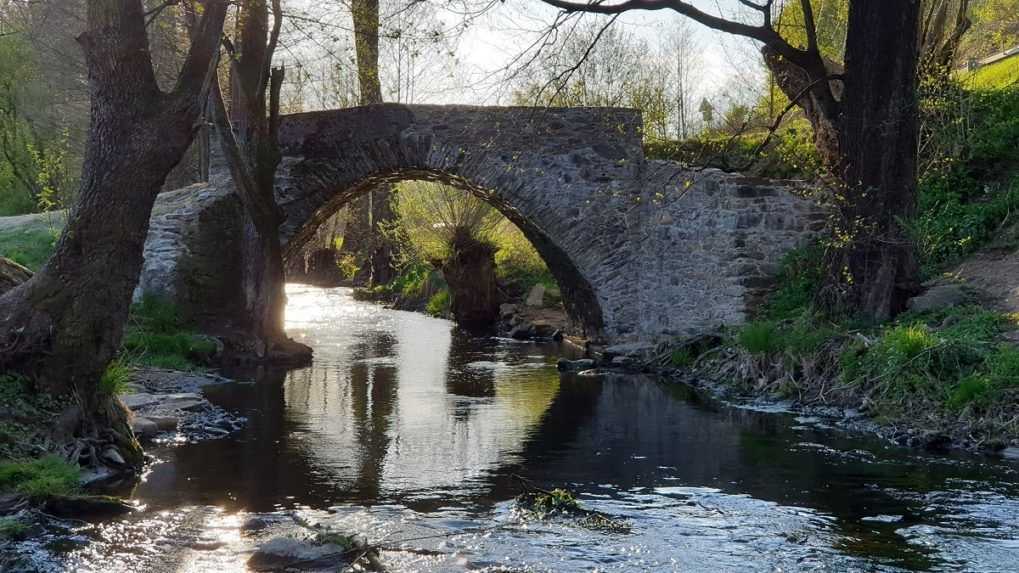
[115, 380]
[157, 337]
[438, 305]
[759, 337]
[41, 478]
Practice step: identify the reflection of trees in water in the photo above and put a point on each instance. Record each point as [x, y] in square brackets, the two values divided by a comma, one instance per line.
[373, 400]
[464, 383]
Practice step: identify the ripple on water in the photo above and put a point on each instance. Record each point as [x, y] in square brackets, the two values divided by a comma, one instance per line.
[412, 436]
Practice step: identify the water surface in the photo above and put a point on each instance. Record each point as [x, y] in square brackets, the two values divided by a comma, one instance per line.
[409, 433]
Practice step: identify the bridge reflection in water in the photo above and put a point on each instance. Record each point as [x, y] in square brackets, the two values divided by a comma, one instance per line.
[400, 411]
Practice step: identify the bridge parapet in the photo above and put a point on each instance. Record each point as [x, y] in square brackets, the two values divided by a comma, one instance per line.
[641, 249]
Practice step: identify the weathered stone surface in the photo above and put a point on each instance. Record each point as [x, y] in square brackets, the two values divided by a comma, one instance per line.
[193, 252]
[939, 297]
[12, 274]
[140, 400]
[642, 250]
[565, 365]
[144, 427]
[536, 297]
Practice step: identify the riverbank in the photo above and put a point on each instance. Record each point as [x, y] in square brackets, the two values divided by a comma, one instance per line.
[43, 490]
[941, 376]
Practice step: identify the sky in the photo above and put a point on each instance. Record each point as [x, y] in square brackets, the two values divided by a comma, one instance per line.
[491, 48]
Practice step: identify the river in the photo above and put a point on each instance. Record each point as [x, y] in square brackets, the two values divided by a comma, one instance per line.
[412, 435]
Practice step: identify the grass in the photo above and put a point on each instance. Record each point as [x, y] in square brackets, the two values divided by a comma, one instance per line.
[40, 478]
[28, 247]
[947, 369]
[157, 337]
[116, 379]
[995, 76]
[439, 304]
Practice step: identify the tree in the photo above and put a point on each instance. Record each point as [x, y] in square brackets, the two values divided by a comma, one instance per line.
[454, 231]
[63, 327]
[685, 63]
[707, 112]
[371, 211]
[249, 135]
[864, 122]
[998, 22]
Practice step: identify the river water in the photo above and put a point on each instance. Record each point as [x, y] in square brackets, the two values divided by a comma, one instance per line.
[413, 435]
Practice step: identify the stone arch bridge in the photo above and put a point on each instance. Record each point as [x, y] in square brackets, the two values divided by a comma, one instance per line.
[642, 249]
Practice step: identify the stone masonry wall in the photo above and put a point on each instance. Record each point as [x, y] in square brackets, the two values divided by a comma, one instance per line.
[192, 253]
[642, 249]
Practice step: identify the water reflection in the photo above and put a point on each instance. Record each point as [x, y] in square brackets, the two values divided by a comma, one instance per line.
[399, 410]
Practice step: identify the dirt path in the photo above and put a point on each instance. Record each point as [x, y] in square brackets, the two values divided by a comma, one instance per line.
[996, 273]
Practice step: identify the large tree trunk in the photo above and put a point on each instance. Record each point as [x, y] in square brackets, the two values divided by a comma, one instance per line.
[63, 327]
[871, 265]
[249, 138]
[365, 14]
[371, 211]
[470, 273]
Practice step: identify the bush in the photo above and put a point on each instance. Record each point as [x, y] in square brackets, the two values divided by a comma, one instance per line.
[797, 283]
[790, 153]
[439, 304]
[759, 337]
[40, 478]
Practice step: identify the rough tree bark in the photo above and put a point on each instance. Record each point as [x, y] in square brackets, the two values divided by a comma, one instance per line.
[62, 328]
[872, 268]
[469, 271]
[248, 133]
[373, 210]
[865, 124]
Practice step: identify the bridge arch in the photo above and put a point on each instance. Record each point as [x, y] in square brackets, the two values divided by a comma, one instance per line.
[643, 250]
[555, 173]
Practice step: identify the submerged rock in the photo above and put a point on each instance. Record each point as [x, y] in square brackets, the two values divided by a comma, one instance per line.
[288, 553]
[79, 506]
[522, 331]
[564, 365]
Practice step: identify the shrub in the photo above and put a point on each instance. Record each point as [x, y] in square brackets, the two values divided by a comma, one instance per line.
[789, 154]
[797, 283]
[40, 478]
[759, 337]
[439, 304]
